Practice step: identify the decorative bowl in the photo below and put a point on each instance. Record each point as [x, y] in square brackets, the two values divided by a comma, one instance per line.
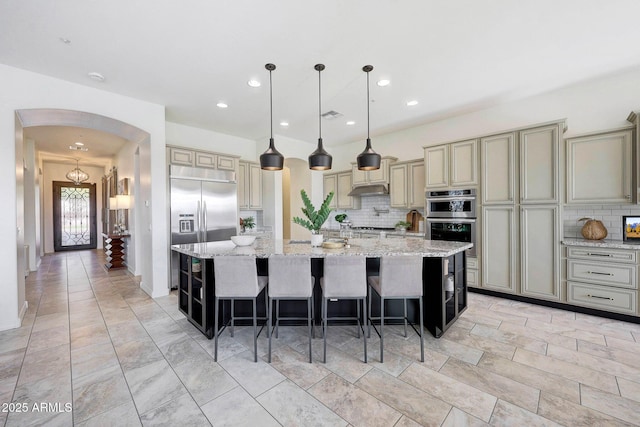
[243, 240]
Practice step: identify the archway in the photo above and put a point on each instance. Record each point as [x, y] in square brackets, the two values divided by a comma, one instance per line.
[296, 176]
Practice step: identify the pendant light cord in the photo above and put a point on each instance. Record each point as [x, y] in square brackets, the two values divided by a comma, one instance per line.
[271, 102]
[319, 104]
[368, 102]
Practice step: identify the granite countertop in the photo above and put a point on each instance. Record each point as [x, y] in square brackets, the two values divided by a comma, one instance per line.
[263, 247]
[377, 232]
[605, 243]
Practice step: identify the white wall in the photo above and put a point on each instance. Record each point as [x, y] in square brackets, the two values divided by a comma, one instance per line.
[31, 205]
[201, 139]
[56, 172]
[25, 90]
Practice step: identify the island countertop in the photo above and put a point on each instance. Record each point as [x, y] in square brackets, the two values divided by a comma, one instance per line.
[372, 248]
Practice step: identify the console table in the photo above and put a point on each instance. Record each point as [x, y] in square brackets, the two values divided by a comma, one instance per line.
[115, 250]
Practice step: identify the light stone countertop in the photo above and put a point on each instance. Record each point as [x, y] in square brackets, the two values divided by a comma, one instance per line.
[373, 248]
[604, 244]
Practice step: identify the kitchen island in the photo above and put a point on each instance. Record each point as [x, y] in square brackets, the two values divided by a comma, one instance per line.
[444, 277]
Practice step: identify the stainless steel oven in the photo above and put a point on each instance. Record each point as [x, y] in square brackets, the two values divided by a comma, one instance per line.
[454, 229]
[451, 216]
[451, 204]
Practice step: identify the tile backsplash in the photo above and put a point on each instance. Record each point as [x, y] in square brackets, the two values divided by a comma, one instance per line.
[367, 216]
[610, 215]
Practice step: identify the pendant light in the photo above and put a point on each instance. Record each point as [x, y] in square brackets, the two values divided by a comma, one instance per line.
[271, 159]
[320, 160]
[77, 175]
[368, 160]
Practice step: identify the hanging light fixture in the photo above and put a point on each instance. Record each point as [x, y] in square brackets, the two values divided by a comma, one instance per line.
[368, 160]
[271, 159]
[320, 160]
[77, 175]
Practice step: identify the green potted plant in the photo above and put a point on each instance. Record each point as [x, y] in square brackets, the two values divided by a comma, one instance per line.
[247, 223]
[314, 218]
[403, 226]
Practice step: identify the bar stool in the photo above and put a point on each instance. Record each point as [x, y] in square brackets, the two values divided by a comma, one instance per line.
[345, 277]
[236, 277]
[290, 279]
[400, 278]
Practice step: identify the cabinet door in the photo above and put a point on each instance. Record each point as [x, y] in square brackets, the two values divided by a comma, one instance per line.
[539, 165]
[226, 163]
[344, 187]
[599, 168]
[464, 164]
[380, 176]
[206, 160]
[499, 251]
[436, 162]
[330, 183]
[359, 177]
[178, 156]
[255, 186]
[243, 185]
[498, 162]
[416, 185]
[399, 185]
[540, 252]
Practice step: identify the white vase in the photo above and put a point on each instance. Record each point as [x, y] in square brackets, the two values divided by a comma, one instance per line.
[316, 239]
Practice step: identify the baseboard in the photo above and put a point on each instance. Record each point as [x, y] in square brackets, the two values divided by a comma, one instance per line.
[18, 321]
[23, 311]
[560, 305]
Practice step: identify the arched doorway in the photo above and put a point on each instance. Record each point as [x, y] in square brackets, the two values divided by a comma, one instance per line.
[296, 176]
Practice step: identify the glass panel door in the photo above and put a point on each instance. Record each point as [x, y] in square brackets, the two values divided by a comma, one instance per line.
[74, 216]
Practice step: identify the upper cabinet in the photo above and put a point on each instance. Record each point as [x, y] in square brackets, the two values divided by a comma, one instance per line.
[378, 176]
[599, 168]
[452, 165]
[249, 185]
[539, 164]
[201, 159]
[340, 183]
[406, 186]
[498, 168]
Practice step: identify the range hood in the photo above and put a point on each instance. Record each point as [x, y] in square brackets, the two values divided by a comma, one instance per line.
[369, 190]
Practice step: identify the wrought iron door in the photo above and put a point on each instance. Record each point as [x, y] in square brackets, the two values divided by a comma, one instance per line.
[74, 216]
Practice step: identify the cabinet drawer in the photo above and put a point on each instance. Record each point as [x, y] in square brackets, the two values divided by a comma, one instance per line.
[602, 274]
[602, 297]
[472, 263]
[602, 254]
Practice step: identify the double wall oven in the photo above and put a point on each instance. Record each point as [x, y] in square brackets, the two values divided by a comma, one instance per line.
[451, 215]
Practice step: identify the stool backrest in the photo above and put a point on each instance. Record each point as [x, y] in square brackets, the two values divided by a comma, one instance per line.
[290, 276]
[236, 276]
[345, 276]
[401, 275]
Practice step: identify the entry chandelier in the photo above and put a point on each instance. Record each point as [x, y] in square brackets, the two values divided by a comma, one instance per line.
[271, 159]
[320, 160]
[77, 175]
[368, 160]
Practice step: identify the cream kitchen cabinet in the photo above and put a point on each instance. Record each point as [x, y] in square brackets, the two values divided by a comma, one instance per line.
[539, 164]
[406, 188]
[451, 165]
[499, 248]
[603, 278]
[249, 185]
[599, 168]
[498, 157]
[340, 183]
[201, 159]
[379, 176]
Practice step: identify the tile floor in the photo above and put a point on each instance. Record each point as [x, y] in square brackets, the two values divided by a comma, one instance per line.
[95, 341]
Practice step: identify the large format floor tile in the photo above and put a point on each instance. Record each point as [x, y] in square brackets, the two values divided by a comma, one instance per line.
[94, 340]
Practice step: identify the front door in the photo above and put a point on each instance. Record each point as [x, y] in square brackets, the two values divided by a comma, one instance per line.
[74, 216]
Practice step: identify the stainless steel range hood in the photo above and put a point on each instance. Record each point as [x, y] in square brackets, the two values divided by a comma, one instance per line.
[369, 190]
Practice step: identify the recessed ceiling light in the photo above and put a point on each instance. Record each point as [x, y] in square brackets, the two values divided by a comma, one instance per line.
[351, 123]
[64, 40]
[284, 124]
[221, 105]
[412, 103]
[254, 83]
[80, 144]
[383, 82]
[96, 76]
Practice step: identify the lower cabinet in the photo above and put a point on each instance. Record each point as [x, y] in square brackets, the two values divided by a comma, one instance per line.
[445, 290]
[499, 255]
[194, 295]
[605, 279]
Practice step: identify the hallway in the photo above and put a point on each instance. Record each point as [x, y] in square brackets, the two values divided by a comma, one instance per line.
[93, 340]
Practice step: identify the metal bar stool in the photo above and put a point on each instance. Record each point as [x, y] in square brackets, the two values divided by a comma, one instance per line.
[236, 277]
[400, 278]
[345, 277]
[290, 279]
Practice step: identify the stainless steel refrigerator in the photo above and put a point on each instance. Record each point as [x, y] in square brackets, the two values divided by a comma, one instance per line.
[204, 208]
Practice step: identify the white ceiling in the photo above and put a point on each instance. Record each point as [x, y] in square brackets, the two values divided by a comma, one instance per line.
[451, 56]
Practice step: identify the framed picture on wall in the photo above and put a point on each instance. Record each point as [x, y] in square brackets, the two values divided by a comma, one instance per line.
[631, 228]
[123, 186]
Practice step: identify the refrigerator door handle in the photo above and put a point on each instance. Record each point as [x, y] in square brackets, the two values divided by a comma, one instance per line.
[204, 221]
[198, 222]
